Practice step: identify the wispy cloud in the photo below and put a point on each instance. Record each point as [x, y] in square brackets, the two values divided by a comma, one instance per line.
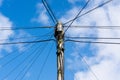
[5, 35]
[107, 56]
[5, 22]
[42, 16]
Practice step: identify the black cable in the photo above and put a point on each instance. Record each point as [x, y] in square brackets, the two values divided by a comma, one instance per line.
[90, 37]
[12, 58]
[70, 40]
[89, 68]
[15, 68]
[42, 68]
[24, 45]
[19, 64]
[15, 51]
[29, 62]
[16, 56]
[45, 35]
[35, 58]
[35, 53]
[100, 27]
[28, 37]
[77, 15]
[90, 11]
[49, 12]
[37, 41]
[23, 28]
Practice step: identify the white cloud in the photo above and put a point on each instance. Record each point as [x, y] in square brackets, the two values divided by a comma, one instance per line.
[5, 35]
[42, 16]
[105, 70]
[107, 56]
[5, 22]
[21, 33]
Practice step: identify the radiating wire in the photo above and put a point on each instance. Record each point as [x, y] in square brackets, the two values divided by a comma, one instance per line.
[45, 35]
[27, 37]
[16, 56]
[77, 15]
[36, 57]
[23, 46]
[35, 53]
[46, 59]
[23, 28]
[19, 64]
[71, 40]
[50, 13]
[15, 51]
[51, 10]
[90, 37]
[89, 68]
[99, 27]
[37, 41]
[90, 11]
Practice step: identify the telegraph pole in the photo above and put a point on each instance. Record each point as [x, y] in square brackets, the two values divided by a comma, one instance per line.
[59, 35]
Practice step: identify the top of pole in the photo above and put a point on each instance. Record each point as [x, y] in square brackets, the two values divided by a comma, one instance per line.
[59, 26]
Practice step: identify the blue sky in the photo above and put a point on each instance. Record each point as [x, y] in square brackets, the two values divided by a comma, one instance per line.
[31, 13]
[21, 14]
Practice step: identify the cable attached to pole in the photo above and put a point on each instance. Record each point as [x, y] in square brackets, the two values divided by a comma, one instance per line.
[54, 19]
[70, 40]
[51, 11]
[89, 11]
[24, 28]
[94, 27]
[91, 37]
[77, 15]
[37, 41]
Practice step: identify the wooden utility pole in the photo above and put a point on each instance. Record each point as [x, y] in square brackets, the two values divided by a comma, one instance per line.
[59, 35]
